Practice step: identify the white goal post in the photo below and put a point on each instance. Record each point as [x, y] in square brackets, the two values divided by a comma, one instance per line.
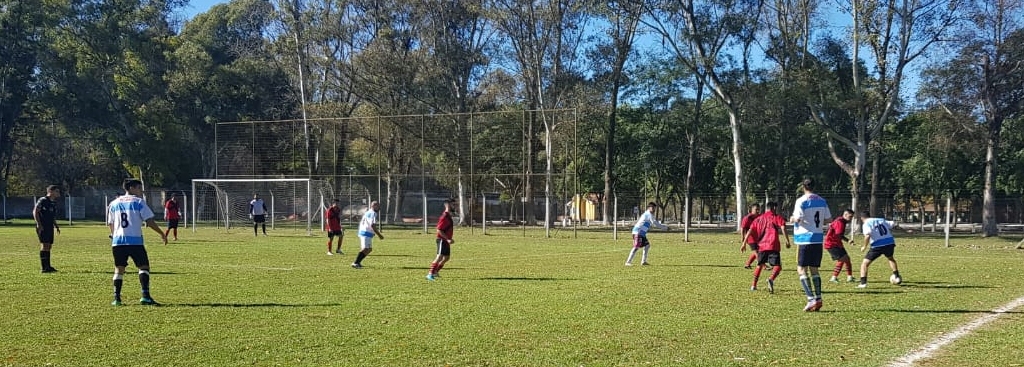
[295, 203]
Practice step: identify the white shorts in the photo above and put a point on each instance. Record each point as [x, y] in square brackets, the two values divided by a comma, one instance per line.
[365, 242]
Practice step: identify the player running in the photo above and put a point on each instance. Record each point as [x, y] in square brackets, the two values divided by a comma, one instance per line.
[877, 234]
[367, 228]
[809, 216]
[748, 241]
[765, 230]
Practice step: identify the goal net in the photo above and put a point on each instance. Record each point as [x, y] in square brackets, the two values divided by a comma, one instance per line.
[296, 204]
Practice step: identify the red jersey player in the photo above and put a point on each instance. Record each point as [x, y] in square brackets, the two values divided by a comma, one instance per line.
[755, 211]
[445, 230]
[333, 216]
[172, 213]
[834, 239]
[766, 229]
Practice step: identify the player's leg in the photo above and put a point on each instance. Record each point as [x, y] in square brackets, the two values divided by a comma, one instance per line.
[120, 262]
[753, 255]
[45, 246]
[264, 224]
[815, 252]
[849, 267]
[636, 245]
[435, 265]
[647, 249]
[889, 254]
[341, 235]
[803, 270]
[757, 272]
[330, 242]
[869, 257]
[365, 246]
[775, 261]
[141, 259]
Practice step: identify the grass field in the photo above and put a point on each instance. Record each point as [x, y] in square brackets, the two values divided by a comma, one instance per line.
[231, 299]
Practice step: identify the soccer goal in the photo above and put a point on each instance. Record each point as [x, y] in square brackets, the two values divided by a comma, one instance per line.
[291, 203]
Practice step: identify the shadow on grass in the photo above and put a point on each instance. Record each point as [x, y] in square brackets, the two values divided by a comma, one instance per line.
[246, 305]
[391, 255]
[525, 278]
[938, 285]
[111, 272]
[707, 266]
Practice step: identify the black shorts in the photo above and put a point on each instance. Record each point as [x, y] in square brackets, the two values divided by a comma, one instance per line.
[172, 223]
[45, 234]
[876, 252]
[443, 247]
[640, 241]
[773, 258]
[339, 233]
[837, 253]
[809, 255]
[753, 247]
[136, 252]
[259, 218]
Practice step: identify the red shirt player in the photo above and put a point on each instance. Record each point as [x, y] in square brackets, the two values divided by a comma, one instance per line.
[766, 229]
[172, 213]
[445, 230]
[333, 218]
[748, 240]
[834, 238]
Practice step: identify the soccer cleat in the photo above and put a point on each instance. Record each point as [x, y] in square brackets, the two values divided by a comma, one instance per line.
[340, 253]
[49, 270]
[747, 267]
[817, 305]
[753, 288]
[809, 307]
[148, 301]
[116, 302]
[833, 280]
[645, 263]
[771, 286]
[357, 266]
[629, 264]
[849, 279]
[330, 253]
[431, 277]
[862, 285]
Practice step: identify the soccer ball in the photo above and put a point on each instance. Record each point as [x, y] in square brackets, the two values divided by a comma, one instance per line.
[895, 279]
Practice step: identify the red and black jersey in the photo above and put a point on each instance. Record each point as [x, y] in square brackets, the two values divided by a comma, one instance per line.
[745, 224]
[333, 215]
[445, 226]
[171, 210]
[836, 233]
[766, 230]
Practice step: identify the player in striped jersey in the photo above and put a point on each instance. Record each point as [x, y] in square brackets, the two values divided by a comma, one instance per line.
[367, 229]
[125, 217]
[640, 234]
[809, 216]
[878, 235]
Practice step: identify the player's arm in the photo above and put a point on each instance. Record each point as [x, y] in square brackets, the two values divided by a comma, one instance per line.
[35, 215]
[156, 227]
[867, 241]
[785, 235]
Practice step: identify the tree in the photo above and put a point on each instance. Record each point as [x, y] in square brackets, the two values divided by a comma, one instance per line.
[699, 34]
[21, 24]
[896, 33]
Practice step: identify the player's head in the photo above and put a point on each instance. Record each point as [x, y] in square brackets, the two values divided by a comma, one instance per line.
[449, 204]
[53, 191]
[651, 206]
[255, 196]
[132, 186]
[848, 214]
[865, 214]
[807, 184]
[375, 205]
[755, 208]
[771, 206]
[334, 203]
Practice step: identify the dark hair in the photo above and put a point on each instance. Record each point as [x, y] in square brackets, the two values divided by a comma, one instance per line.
[130, 183]
[52, 188]
[335, 201]
[755, 205]
[848, 211]
[771, 205]
[807, 183]
[652, 204]
[865, 214]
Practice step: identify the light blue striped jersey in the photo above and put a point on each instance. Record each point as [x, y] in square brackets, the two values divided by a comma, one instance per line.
[366, 224]
[809, 216]
[645, 222]
[128, 214]
[880, 231]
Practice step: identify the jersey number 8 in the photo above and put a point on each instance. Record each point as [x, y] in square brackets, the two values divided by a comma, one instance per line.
[124, 220]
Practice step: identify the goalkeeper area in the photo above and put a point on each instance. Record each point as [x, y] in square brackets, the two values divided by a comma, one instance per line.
[292, 203]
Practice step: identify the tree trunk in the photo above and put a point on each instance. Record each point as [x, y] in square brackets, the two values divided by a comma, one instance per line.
[737, 160]
[989, 223]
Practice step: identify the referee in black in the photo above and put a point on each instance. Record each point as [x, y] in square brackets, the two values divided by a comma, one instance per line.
[45, 214]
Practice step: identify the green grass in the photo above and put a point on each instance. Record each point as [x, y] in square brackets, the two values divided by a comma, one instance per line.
[505, 299]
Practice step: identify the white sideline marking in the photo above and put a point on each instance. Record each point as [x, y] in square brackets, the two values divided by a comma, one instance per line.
[930, 348]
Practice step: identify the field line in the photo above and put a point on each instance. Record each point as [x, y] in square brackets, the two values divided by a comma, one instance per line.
[932, 347]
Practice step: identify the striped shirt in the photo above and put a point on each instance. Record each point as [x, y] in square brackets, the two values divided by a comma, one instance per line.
[645, 222]
[809, 216]
[128, 214]
[880, 231]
